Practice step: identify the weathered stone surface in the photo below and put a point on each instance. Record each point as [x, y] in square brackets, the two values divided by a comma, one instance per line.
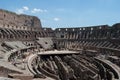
[13, 20]
[21, 76]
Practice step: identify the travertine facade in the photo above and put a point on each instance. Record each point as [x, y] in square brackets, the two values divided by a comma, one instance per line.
[13, 20]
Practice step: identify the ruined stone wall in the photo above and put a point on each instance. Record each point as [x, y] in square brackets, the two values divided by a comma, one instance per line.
[91, 38]
[13, 20]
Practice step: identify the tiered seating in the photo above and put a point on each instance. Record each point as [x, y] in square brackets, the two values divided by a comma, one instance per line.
[45, 43]
[15, 44]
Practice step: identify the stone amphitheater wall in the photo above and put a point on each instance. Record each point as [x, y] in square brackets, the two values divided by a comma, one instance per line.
[16, 21]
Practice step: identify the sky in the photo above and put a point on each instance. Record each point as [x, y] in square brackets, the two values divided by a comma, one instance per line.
[67, 13]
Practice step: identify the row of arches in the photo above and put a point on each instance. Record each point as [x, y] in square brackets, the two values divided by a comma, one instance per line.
[91, 34]
[10, 34]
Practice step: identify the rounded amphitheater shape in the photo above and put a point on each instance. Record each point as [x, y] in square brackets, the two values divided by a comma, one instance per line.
[92, 42]
[30, 59]
[14, 51]
[109, 71]
[40, 72]
[59, 63]
[108, 65]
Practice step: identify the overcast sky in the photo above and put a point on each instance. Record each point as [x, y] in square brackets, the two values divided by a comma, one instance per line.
[67, 13]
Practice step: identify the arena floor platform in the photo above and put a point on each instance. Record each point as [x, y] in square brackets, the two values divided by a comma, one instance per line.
[53, 52]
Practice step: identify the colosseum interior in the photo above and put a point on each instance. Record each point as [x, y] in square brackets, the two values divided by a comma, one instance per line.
[30, 52]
